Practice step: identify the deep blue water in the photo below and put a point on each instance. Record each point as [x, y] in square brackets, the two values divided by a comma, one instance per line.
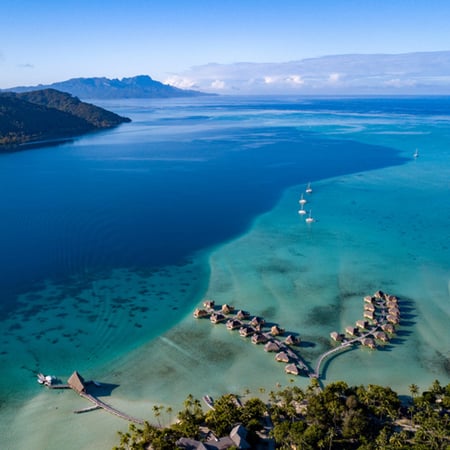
[180, 178]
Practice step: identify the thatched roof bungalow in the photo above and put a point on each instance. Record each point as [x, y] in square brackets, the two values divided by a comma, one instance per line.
[393, 319]
[292, 369]
[233, 324]
[77, 383]
[282, 357]
[242, 315]
[292, 340]
[259, 338]
[276, 330]
[217, 318]
[199, 313]
[368, 299]
[336, 336]
[352, 331]
[362, 324]
[381, 336]
[257, 321]
[246, 331]
[209, 304]
[388, 328]
[369, 315]
[272, 346]
[227, 309]
[368, 342]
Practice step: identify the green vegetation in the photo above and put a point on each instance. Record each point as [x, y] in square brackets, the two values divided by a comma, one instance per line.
[338, 417]
[48, 115]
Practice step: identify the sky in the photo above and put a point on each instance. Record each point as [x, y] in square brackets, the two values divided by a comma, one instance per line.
[44, 41]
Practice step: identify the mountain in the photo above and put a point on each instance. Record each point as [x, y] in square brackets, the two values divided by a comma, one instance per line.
[141, 86]
[32, 117]
[421, 73]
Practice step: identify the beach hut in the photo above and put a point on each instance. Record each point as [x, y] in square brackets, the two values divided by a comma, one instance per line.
[292, 369]
[369, 307]
[209, 304]
[368, 299]
[282, 357]
[352, 331]
[199, 313]
[259, 338]
[77, 383]
[369, 315]
[227, 309]
[394, 311]
[292, 340]
[272, 346]
[276, 330]
[242, 315]
[392, 319]
[217, 318]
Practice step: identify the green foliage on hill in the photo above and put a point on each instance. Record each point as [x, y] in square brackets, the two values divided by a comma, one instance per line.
[339, 417]
[48, 115]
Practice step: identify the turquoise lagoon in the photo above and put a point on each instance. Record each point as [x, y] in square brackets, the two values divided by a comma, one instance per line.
[111, 241]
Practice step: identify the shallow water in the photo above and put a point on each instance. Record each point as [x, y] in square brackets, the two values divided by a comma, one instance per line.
[196, 200]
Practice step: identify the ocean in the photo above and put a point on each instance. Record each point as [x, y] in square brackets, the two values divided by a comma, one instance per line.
[109, 242]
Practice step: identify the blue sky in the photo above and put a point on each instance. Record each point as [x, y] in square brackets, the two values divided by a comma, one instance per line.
[48, 40]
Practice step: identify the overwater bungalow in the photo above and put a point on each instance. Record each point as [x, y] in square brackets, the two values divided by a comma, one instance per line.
[199, 313]
[242, 315]
[259, 338]
[369, 307]
[381, 336]
[233, 324]
[393, 319]
[336, 336]
[272, 346]
[257, 321]
[292, 340]
[352, 331]
[362, 324]
[246, 331]
[209, 304]
[368, 299]
[276, 330]
[379, 294]
[392, 298]
[369, 315]
[282, 357]
[227, 309]
[368, 342]
[394, 311]
[292, 369]
[388, 328]
[217, 318]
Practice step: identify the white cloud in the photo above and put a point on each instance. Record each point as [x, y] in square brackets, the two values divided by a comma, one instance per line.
[218, 84]
[180, 82]
[295, 79]
[334, 78]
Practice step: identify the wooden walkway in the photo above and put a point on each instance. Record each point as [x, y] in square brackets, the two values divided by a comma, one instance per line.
[100, 404]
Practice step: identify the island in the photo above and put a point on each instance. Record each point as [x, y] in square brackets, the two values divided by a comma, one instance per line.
[48, 116]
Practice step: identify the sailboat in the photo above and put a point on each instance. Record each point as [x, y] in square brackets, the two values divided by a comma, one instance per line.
[309, 219]
[301, 211]
[308, 189]
[302, 201]
[416, 154]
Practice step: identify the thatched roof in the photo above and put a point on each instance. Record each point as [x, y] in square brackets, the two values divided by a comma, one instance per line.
[76, 382]
[272, 346]
[282, 357]
[292, 369]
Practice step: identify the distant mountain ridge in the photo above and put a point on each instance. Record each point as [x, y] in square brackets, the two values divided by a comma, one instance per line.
[48, 115]
[141, 86]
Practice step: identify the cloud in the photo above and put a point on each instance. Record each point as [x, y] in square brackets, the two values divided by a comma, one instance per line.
[218, 84]
[334, 78]
[26, 66]
[339, 74]
[180, 82]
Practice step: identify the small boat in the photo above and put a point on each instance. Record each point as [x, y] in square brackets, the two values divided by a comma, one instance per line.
[416, 154]
[302, 201]
[308, 189]
[209, 401]
[45, 379]
[40, 378]
[301, 211]
[309, 219]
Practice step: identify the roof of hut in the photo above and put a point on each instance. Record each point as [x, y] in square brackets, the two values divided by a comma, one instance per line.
[292, 369]
[76, 382]
[272, 346]
[282, 357]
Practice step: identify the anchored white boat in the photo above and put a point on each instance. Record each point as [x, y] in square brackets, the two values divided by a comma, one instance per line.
[308, 189]
[309, 219]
